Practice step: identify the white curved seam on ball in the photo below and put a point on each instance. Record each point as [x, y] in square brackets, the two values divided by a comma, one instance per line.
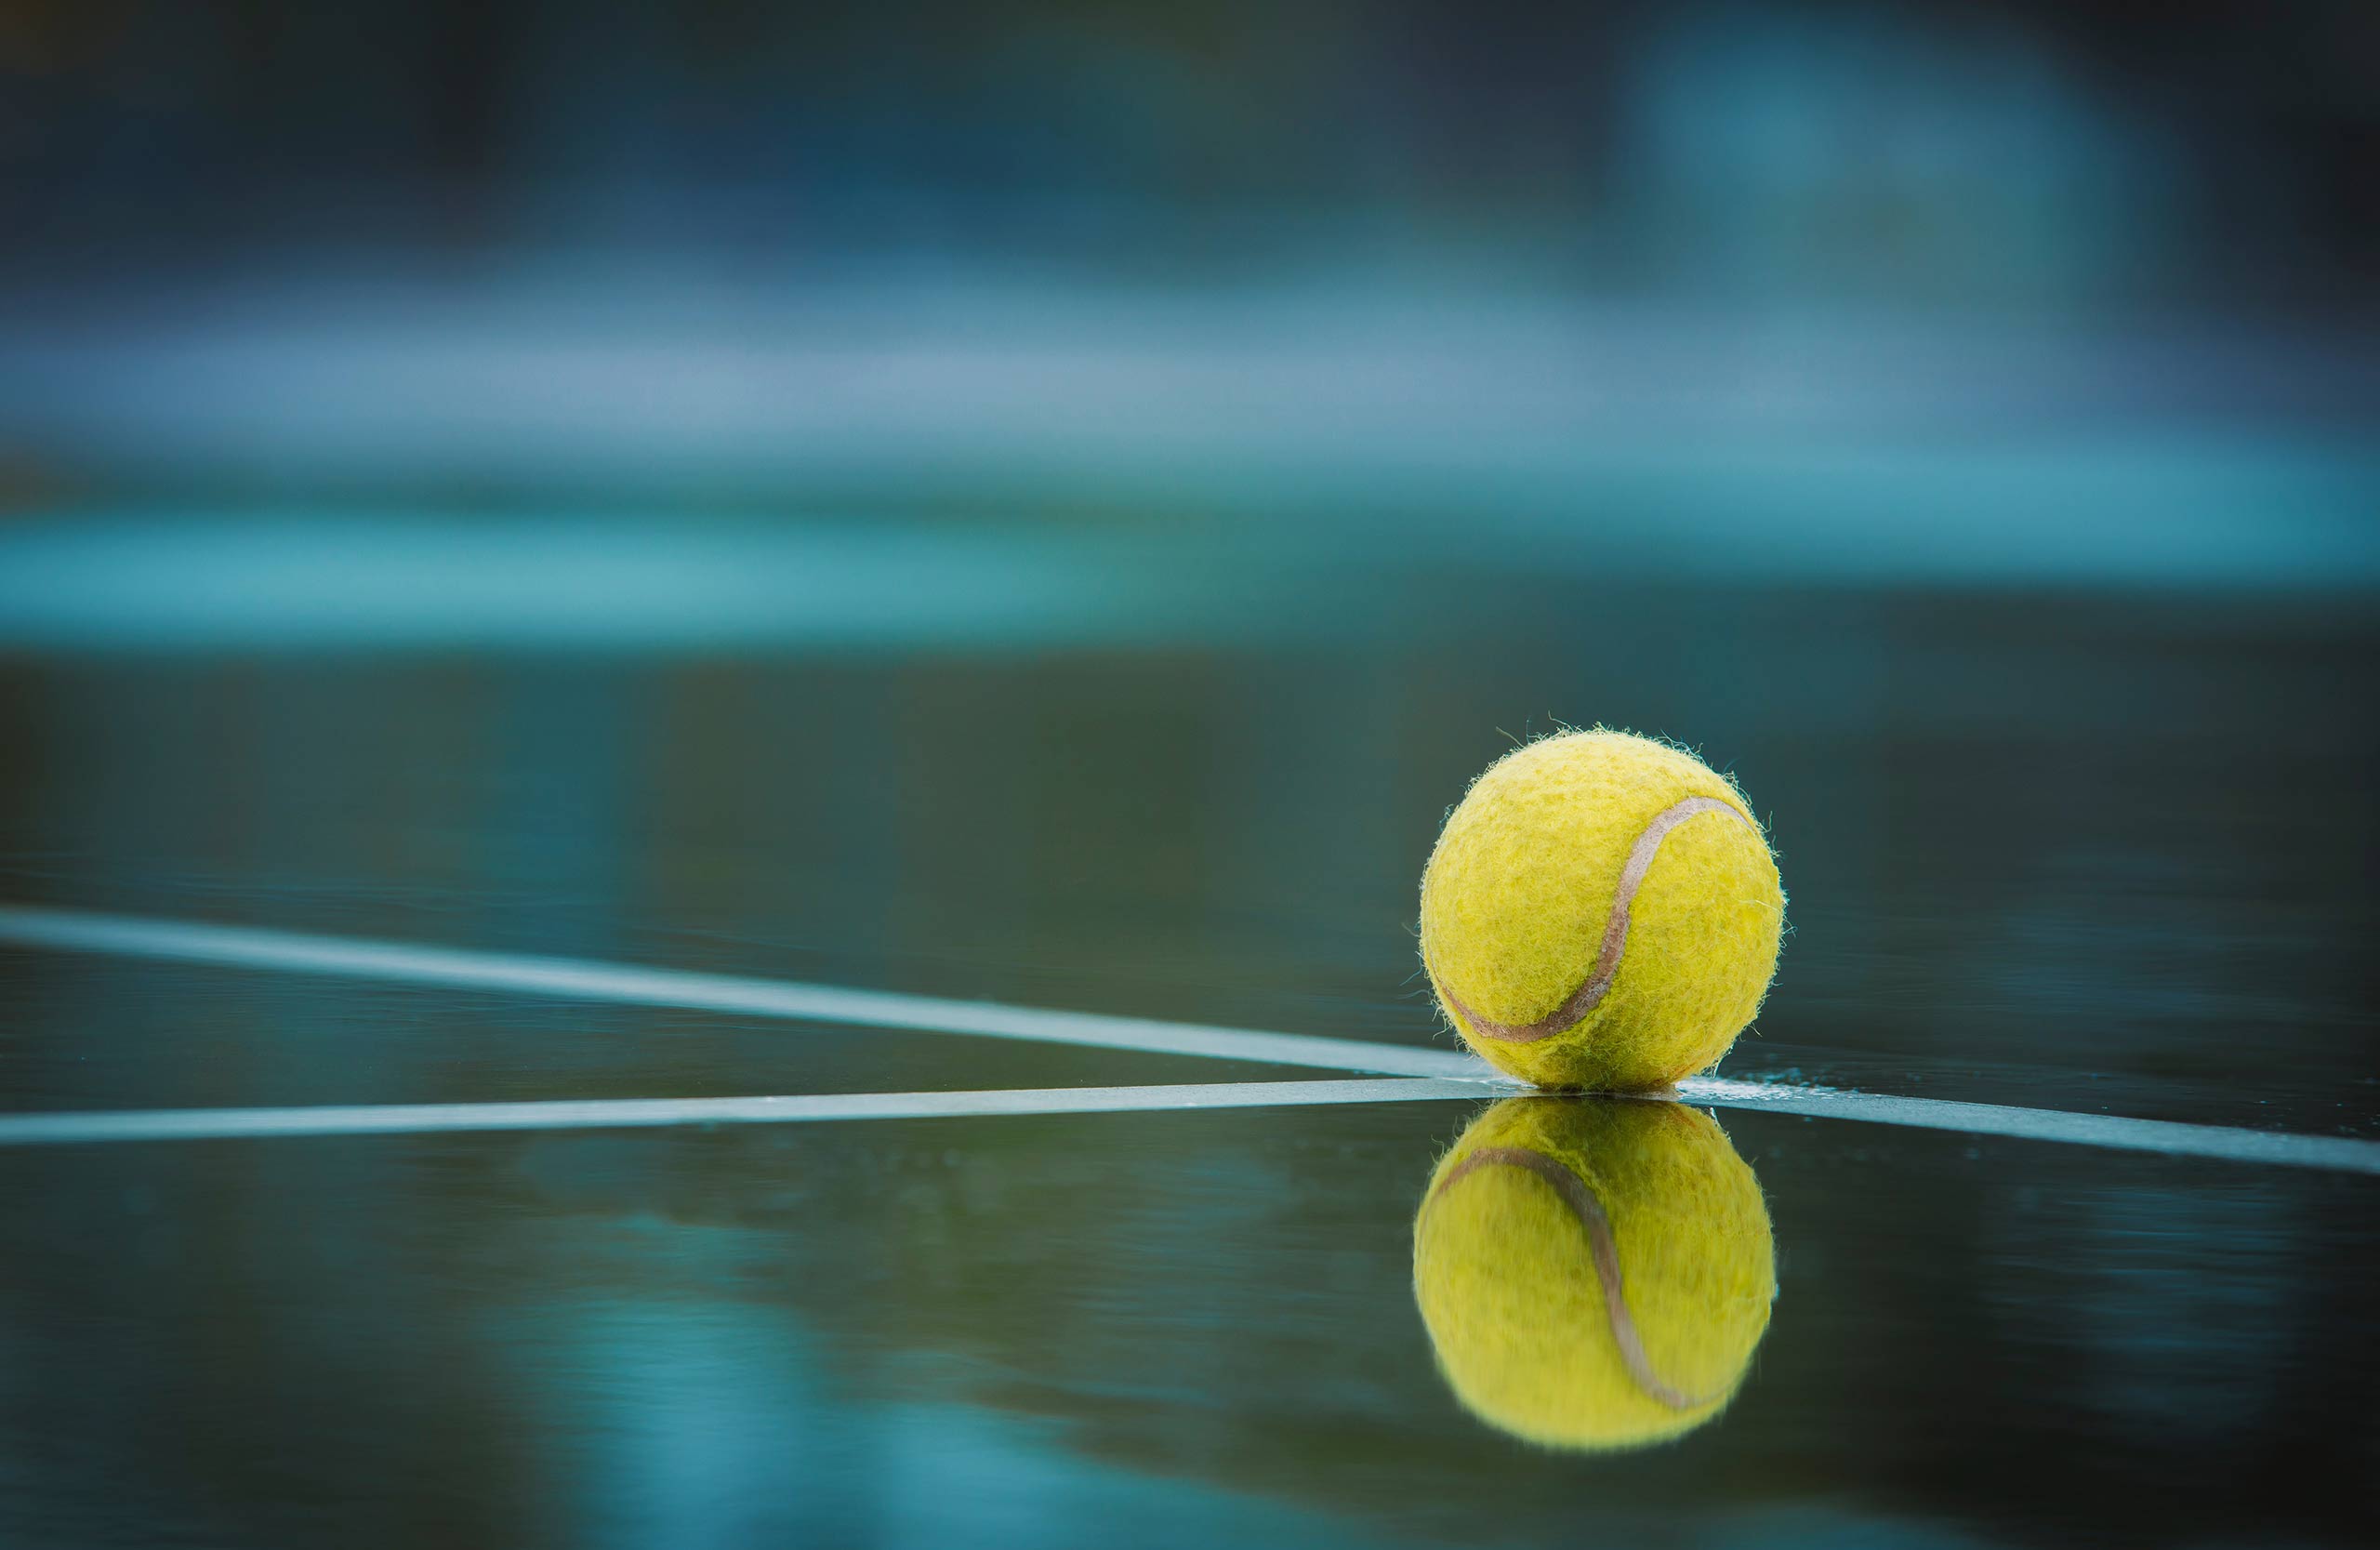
[1598, 983]
[1602, 1249]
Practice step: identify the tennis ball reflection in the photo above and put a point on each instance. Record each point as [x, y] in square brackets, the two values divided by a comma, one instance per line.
[1594, 1273]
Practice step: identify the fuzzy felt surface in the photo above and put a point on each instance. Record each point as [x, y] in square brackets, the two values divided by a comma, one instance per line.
[1558, 961]
[1595, 1274]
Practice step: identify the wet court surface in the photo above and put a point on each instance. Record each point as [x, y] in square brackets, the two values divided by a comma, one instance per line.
[2080, 851]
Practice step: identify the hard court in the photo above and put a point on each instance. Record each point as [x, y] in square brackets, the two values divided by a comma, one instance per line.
[928, 1046]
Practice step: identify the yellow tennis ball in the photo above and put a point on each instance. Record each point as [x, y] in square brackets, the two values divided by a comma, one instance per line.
[1595, 1274]
[1601, 912]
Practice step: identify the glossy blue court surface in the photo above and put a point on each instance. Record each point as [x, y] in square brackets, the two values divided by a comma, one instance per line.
[901, 1063]
[719, 722]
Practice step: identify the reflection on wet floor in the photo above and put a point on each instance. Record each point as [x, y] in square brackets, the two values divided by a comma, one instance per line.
[1208, 1319]
[1594, 1274]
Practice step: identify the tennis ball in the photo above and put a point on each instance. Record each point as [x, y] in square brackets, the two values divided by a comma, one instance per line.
[1594, 1273]
[1601, 912]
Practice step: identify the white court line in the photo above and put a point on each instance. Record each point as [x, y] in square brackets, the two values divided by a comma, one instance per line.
[578, 979]
[2283, 1148]
[1434, 1073]
[207, 1124]
[2337, 1154]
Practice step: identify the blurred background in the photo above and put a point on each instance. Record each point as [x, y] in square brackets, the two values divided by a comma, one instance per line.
[1054, 502]
[1022, 256]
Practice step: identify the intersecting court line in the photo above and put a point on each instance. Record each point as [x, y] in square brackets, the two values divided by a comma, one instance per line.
[1427, 1074]
[578, 979]
[2337, 1154]
[191, 1124]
